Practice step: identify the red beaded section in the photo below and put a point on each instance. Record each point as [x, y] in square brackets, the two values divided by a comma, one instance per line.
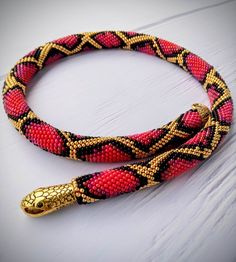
[147, 137]
[68, 41]
[202, 137]
[25, 72]
[108, 39]
[197, 66]
[111, 183]
[169, 48]
[147, 49]
[192, 120]
[177, 167]
[14, 103]
[213, 94]
[45, 136]
[53, 59]
[108, 153]
[225, 112]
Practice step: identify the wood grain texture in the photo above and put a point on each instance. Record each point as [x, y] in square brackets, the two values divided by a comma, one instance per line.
[191, 218]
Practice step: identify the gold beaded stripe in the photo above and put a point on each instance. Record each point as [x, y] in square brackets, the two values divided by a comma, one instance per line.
[171, 128]
[11, 83]
[87, 38]
[46, 49]
[19, 123]
[80, 192]
[212, 78]
[140, 38]
[223, 129]
[179, 59]
[146, 172]
[28, 59]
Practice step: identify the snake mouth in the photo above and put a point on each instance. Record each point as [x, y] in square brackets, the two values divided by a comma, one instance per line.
[33, 211]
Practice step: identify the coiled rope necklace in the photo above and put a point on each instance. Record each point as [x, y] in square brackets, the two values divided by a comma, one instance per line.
[166, 152]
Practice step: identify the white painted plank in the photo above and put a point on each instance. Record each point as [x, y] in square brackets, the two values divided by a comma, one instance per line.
[191, 218]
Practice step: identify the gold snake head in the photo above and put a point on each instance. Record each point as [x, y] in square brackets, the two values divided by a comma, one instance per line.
[45, 200]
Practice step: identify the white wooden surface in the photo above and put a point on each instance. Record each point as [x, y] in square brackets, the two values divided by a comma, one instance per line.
[192, 218]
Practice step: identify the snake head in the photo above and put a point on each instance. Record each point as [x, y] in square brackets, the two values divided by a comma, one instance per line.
[45, 200]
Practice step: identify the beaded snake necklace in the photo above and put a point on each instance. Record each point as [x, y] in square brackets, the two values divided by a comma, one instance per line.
[168, 151]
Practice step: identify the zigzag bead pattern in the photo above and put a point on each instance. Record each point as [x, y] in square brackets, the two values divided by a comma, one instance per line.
[181, 144]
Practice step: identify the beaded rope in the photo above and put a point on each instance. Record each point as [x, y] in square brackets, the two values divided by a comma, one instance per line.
[181, 144]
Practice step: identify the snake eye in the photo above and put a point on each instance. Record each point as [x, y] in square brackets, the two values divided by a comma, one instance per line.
[40, 204]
